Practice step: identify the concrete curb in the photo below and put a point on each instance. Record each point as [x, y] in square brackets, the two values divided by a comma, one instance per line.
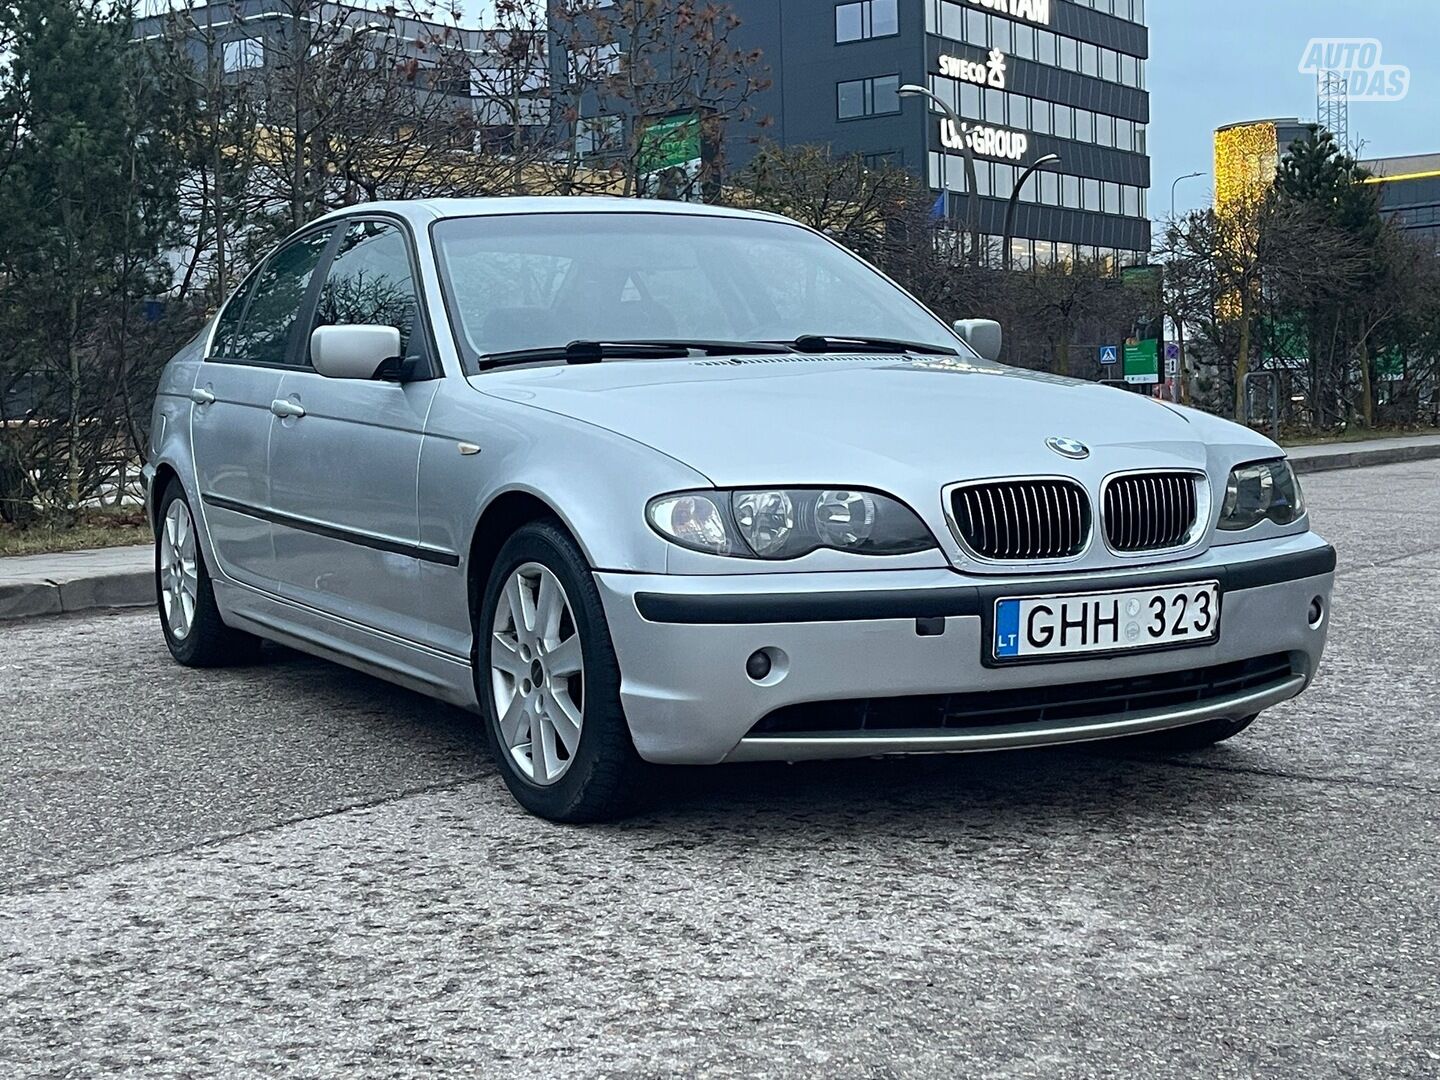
[76, 581]
[1326, 459]
[82, 594]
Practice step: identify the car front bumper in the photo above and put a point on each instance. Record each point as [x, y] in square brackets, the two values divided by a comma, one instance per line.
[683, 643]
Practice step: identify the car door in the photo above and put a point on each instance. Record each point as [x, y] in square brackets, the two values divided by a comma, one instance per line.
[343, 464]
[230, 418]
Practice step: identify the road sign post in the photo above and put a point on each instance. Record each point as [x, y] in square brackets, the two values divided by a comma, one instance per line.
[1172, 369]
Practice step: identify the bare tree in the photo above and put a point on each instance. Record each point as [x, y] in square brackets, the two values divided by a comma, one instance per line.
[509, 80]
[1186, 294]
[1073, 302]
[217, 138]
[642, 77]
[877, 211]
[1259, 256]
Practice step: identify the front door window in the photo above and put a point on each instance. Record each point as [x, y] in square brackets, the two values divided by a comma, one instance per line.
[370, 282]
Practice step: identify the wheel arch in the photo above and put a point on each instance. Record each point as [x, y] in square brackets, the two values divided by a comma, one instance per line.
[165, 475]
[502, 516]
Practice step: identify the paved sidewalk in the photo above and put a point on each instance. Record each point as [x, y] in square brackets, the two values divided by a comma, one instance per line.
[76, 581]
[124, 577]
[1325, 456]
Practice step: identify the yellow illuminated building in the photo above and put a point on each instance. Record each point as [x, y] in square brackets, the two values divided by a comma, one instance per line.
[1247, 160]
[1247, 157]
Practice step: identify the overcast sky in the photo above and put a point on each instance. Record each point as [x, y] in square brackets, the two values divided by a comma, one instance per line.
[1217, 61]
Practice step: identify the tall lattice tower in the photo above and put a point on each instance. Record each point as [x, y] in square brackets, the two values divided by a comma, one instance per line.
[1332, 107]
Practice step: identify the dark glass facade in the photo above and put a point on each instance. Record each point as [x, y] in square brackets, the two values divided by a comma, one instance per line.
[1027, 77]
[1409, 189]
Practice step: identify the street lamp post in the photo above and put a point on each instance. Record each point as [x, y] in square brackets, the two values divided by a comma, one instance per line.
[361, 32]
[971, 188]
[1187, 176]
[1039, 163]
[1181, 389]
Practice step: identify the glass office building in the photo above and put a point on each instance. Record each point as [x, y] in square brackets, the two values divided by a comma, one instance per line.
[1028, 78]
[1409, 191]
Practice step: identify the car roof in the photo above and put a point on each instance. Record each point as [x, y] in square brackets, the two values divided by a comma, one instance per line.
[423, 211]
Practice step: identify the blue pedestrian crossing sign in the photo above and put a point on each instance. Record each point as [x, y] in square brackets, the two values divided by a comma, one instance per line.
[1109, 354]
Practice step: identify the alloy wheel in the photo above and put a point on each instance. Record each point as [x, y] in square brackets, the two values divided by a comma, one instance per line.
[179, 570]
[537, 674]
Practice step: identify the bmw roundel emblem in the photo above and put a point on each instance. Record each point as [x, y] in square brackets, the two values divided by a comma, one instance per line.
[1071, 448]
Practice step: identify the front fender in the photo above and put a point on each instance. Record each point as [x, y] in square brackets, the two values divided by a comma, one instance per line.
[596, 481]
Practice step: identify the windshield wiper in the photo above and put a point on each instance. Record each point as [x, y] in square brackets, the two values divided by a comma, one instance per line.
[579, 352]
[826, 343]
[717, 347]
[591, 352]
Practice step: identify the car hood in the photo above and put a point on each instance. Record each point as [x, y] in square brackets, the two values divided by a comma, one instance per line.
[898, 423]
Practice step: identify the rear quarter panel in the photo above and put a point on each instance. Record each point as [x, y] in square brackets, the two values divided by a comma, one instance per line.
[170, 423]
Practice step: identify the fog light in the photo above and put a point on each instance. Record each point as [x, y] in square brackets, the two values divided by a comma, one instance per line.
[1317, 613]
[758, 666]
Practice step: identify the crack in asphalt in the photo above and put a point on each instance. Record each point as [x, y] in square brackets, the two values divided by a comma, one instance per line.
[48, 881]
[1309, 778]
[1341, 572]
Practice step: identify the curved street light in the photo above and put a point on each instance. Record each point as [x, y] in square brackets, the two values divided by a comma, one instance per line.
[972, 191]
[1038, 163]
[1187, 176]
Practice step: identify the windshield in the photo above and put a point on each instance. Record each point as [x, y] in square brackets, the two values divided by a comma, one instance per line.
[532, 281]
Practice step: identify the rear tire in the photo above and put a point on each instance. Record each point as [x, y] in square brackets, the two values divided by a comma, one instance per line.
[189, 616]
[1197, 736]
[549, 682]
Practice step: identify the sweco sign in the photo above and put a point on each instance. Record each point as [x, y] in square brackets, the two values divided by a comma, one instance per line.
[985, 141]
[1035, 11]
[990, 73]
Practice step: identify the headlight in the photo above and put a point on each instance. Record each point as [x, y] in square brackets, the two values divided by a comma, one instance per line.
[766, 520]
[1265, 491]
[785, 523]
[694, 521]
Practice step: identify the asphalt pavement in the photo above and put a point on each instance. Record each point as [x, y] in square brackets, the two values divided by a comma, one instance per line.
[295, 870]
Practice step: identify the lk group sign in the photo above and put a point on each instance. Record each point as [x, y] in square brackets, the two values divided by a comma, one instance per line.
[987, 141]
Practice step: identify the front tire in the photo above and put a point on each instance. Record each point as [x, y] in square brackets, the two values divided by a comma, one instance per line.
[189, 616]
[549, 682]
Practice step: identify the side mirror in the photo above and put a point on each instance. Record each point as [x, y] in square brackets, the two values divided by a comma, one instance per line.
[353, 352]
[982, 335]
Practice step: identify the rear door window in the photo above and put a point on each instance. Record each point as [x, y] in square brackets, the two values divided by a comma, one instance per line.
[267, 328]
[229, 323]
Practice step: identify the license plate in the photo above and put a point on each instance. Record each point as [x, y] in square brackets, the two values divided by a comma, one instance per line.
[1037, 627]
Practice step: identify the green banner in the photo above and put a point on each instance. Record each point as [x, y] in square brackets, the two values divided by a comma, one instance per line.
[1142, 361]
[673, 141]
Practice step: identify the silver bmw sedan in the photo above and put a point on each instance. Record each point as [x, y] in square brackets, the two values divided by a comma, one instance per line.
[662, 483]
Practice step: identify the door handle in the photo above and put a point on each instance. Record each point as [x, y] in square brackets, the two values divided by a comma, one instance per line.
[281, 407]
[202, 397]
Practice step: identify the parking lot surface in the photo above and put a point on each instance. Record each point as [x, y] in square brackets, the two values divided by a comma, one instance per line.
[292, 869]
